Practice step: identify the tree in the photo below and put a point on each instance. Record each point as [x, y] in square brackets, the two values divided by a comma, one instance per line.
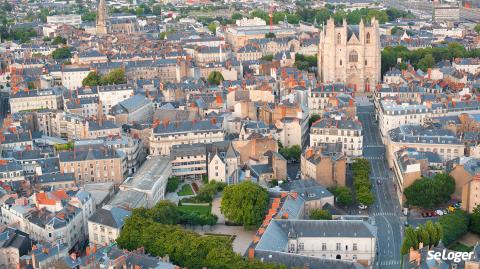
[320, 214]
[475, 220]
[215, 78]
[172, 184]
[237, 16]
[92, 79]
[429, 235]
[59, 40]
[61, 53]
[270, 35]
[410, 240]
[477, 28]
[245, 203]
[292, 152]
[434, 231]
[313, 119]
[426, 62]
[430, 192]
[343, 195]
[364, 196]
[454, 226]
[116, 76]
[89, 16]
[212, 27]
[164, 212]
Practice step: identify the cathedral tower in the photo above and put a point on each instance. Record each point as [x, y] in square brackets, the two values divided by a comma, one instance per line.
[101, 25]
[350, 54]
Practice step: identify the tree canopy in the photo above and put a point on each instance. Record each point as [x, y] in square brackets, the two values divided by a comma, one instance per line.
[475, 220]
[430, 192]
[429, 235]
[477, 28]
[454, 226]
[292, 152]
[116, 76]
[62, 53]
[343, 195]
[320, 214]
[245, 203]
[215, 77]
[361, 181]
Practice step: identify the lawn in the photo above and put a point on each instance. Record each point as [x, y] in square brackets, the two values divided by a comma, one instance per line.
[460, 247]
[186, 190]
[201, 209]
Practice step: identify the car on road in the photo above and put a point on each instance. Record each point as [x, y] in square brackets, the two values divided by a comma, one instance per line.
[379, 182]
[405, 223]
[362, 206]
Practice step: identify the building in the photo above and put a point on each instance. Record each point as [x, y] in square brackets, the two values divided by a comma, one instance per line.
[223, 162]
[325, 163]
[409, 165]
[189, 161]
[11, 171]
[94, 165]
[466, 172]
[329, 240]
[13, 245]
[111, 95]
[147, 186]
[134, 109]
[73, 75]
[70, 19]
[421, 258]
[168, 134]
[347, 131]
[25, 100]
[314, 195]
[446, 12]
[350, 54]
[105, 224]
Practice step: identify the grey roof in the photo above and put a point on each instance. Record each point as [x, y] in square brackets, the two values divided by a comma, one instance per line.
[131, 104]
[291, 260]
[419, 134]
[53, 178]
[91, 154]
[10, 167]
[96, 126]
[187, 150]
[338, 124]
[187, 126]
[110, 216]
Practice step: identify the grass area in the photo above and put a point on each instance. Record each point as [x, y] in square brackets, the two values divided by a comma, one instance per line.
[201, 209]
[460, 247]
[186, 190]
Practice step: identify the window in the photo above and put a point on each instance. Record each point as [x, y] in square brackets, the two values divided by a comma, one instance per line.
[301, 246]
[354, 247]
[324, 246]
[339, 246]
[340, 62]
[339, 38]
[367, 38]
[353, 56]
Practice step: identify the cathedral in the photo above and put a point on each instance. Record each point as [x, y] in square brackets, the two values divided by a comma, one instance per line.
[114, 24]
[350, 54]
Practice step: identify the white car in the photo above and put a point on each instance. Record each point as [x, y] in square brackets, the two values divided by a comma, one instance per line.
[362, 206]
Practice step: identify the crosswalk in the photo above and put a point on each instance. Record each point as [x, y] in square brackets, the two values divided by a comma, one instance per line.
[383, 214]
[374, 158]
[388, 262]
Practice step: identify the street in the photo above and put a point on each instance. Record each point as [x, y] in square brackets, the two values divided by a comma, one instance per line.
[386, 209]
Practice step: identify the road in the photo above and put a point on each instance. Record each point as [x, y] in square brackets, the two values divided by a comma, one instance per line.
[386, 209]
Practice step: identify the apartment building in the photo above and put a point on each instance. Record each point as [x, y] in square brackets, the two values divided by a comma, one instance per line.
[105, 225]
[168, 134]
[25, 100]
[392, 114]
[466, 172]
[325, 163]
[320, 98]
[11, 171]
[73, 75]
[13, 245]
[346, 131]
[94, 165]
[110, 95]
[189, 161]
[134, 109]
[70, 19]
[443, 142]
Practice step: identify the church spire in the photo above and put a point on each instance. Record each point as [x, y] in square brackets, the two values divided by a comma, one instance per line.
[101, 25]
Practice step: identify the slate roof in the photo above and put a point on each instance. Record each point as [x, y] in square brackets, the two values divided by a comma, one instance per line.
[91, 154]
[110, 216]
[187, 126]
[338, 124]
[131, 104]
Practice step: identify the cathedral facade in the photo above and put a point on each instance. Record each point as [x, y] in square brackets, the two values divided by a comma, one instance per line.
[350, 54]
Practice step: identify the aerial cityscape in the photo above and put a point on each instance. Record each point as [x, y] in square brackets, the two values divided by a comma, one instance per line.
[249, 134]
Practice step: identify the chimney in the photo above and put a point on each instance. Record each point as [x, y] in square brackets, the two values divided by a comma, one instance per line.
[308, 153]
[213, 120]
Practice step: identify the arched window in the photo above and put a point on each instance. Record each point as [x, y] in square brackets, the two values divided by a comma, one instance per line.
[367, 38]
[353, 56]
[339, 38]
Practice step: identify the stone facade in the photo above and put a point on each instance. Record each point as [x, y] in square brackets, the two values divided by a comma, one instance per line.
[350, 54]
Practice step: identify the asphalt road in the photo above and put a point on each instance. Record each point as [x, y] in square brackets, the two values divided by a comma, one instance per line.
[386, 209]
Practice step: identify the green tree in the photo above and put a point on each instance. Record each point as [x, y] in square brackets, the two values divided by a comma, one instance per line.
[267, 58]
[92, 79]
[89, 16]
[423, 235]
[410, 240]
[116, 76]
[475, 220]
[454, 226]
[245, 203]
[320, 214]
[172, 184]
[212, 27]
[164, 212]
[430, 192]
[61, 53]
[477, 28]
[237, 16]
[270, 35]
[434, 232]
[364, 196]
[59, 40]
[426, 62]
[313, 119]
[215, 78]
[343, 195]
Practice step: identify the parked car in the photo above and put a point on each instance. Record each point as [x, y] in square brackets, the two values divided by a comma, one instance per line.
[362, 206]
[439, 212]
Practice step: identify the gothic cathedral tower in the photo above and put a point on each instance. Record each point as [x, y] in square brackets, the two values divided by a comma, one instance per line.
[350, 54]
[101, 25]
